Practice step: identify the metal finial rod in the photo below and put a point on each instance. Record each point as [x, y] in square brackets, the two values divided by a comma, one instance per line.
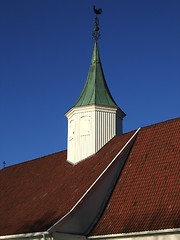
[96, 33]
[4, 164]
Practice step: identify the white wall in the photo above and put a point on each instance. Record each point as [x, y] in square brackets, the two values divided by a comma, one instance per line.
[89, 129]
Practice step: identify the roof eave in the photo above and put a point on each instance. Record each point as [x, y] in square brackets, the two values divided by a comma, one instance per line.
[26, 235]
[136, 234]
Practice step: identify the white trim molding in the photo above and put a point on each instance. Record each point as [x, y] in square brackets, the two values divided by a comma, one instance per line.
[173, 233]
[36, 235]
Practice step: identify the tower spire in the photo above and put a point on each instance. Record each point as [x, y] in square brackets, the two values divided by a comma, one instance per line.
[96, 33]
[95, 118]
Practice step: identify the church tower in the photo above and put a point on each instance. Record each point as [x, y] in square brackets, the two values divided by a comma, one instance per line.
[95, 118]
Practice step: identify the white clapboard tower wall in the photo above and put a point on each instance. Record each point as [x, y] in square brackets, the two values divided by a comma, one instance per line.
[95, 118]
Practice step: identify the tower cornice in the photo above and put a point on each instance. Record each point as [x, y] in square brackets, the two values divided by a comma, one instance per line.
[117, 110]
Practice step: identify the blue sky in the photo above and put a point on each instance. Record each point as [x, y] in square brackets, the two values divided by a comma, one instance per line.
[45, 53]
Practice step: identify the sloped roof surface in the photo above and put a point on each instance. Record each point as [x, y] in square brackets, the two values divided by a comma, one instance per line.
[147, 194]
[36, 194]
[95, 91]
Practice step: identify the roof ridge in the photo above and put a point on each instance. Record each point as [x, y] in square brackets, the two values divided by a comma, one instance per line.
[38, 158]
[163, 122]
[142, 128]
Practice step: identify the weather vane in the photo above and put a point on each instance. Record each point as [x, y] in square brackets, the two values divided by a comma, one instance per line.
[96, 33]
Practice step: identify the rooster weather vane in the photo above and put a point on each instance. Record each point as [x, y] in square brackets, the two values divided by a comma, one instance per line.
[96, 33]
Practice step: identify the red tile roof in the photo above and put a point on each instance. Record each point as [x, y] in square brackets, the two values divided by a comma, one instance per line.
[34, 195]
[147, 194]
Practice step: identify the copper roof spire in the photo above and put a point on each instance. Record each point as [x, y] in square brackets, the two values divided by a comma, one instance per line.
[95, 91]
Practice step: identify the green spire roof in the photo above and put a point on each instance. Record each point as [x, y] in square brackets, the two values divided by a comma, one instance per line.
[95, 91]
